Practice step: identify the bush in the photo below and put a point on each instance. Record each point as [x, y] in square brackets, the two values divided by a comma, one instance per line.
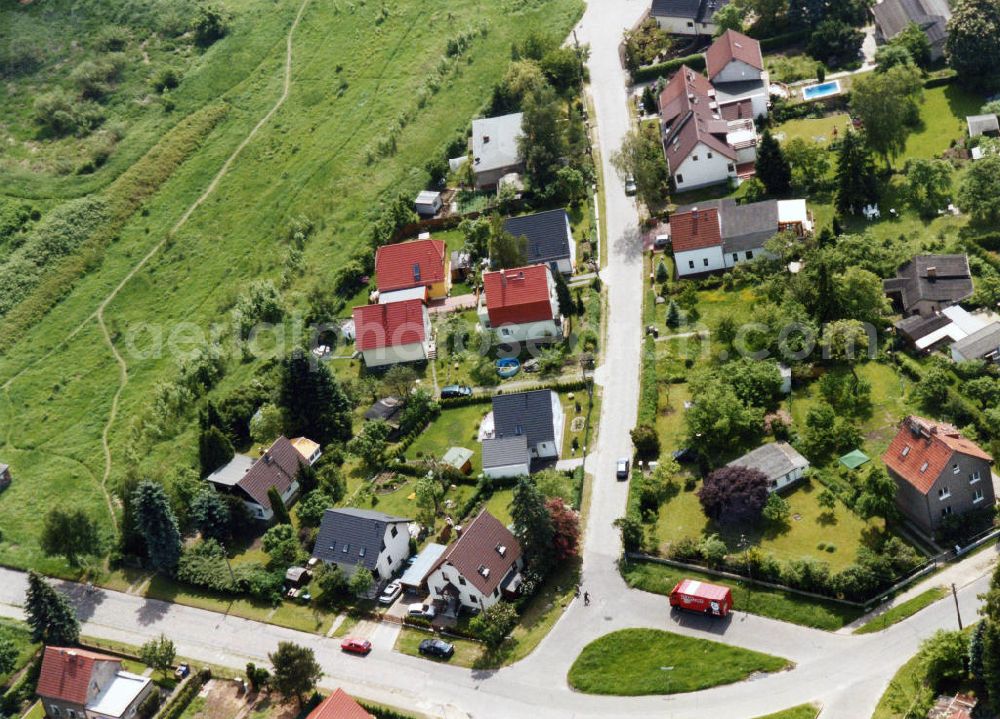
[665, 69]
[60, 114]
[167, 78]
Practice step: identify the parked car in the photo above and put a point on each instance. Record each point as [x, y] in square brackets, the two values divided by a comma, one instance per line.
[621, 468]
[661, 241]
[531, 365]
[390, 593]
[630, 188]
[182, 671]
[354, 645]
[436, 648]
[684, 454]
[455, 390]
[426, 611]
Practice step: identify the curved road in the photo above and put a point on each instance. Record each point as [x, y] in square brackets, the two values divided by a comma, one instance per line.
[846, 674]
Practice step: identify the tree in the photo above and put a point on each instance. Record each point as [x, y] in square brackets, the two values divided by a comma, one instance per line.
[266, 424]
[532, 526]
[214, 450]
[971, 45]
[662, 274]
[281, 545]
[927, 185]
[312, 507]
[757, 383]
[566, 304]
[370, 445]
[566, 529]
[729, 17]
[630, 527]
[281, 515]
[991, 659]
[976, 647]
[835, 43]
[641, 158]
[69, 533]
[734, 494]
[49, 614]
[888, 105]
[429, 494]
[399, 381]
[477, 238]
[158, 525]
[777, 510]
[891, 55]
[211, 23]
[258, 677]
[562, 67]
[506, 250]
[718, 421]
[809, 162]
[772, 166]
[333, 587]
[673, 315]
[541, 144]
[314, 402]
[753, 190]
[827, 500]
[858, 295]
[646, 441]
[932, 391]
[494, 624]
[878, 496]
[915, 42]
[158, 653]
[210, 514]
[361, 582]
[942, 656]
[644, 44]
[857, 182]
[8, 656]
[979, 193]
[295, 670]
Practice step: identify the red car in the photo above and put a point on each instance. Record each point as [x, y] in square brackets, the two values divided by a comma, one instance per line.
[356, 646]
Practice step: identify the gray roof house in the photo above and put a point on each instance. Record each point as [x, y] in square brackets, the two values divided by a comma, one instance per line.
[983, 344]
[931, 16]
[506, 456]
[778, 461]
[352, 538]
[686, 17]
[928, 283]
[983, 125]
[494, 148]
[532, 420]
[549, 236]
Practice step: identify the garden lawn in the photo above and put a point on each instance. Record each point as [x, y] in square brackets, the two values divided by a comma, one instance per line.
[802, 711]
[20, 635]
[902, 611]
[942, 116]
[631, 662]
[773, 603]
[453, 427]
[499, 505]
[814, 129]
[467, 652]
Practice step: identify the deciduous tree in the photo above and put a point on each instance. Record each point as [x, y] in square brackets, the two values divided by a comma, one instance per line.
[971, 46]
[888, 104]
[566, 529]
[979, 193]
[370, 445]
[857, 182]
[734, 494]
[878, 496]
[532, 526]
[361, 582]
[541, 144]
[69, 533]
[506, 250]
[927, 185]
[494, 624]
[641, 157]
[295, 670]
[158, 653]
[835, 43]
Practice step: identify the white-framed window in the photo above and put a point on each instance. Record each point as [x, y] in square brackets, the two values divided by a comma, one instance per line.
[974, 477]
[505, 331]
[978, 496]
[749, 254]
[944, 493]
[690, 264]
[705, 261]
[461, 580]
[955, 469]
[690, 23]
[946, 511]
[393, 532]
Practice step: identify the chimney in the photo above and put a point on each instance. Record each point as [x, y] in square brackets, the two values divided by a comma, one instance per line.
[694, 221]
[486, 138]
[932, 273]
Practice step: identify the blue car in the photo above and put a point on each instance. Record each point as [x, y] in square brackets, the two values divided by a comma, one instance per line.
[455, 390]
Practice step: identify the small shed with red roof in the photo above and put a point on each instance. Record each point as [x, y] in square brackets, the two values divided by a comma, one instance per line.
[520, 304]
[418, 263]
[392, 333]
[938, 472]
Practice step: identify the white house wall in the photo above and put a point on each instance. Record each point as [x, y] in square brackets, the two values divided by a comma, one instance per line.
[704, 171]
[397, 549]
[737, 71]
[782, 482]
[468, 596]
[741, 256]
[693, 262]
[507, 470]
[684, 26]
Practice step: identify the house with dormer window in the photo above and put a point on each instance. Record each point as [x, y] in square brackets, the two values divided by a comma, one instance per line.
[78, 684]
[418, 263]
[938, 472]
[479, 568]
[352, 538]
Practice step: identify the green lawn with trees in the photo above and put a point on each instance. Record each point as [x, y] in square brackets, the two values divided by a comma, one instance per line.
[631, 662]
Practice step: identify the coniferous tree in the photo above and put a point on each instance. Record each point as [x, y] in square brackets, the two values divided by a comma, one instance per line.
[857, 183]
[532, 526]
[566, 304]
[314, 402]
[210, 514]
[772, 166]
[673, 315]
[278, 506]
[158, 525]
[50, 615]
[214, 450]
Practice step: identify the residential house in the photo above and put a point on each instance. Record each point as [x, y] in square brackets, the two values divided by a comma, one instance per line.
[958, 706]
[703, 147]
[520, 305]
[352, 538]
[494, 148]
[339, 705]
[388, 410]
[779, 462]
[735, 67]
[417, 263]
[928, 283]
[720, 234]
[535, 417]
[948, 326]
[549, 239]
[478, 568]
[79, 684]
[5, 477]
[687, 17]
[931, 16]
[983, 344]
[277, 467]
[415, 576]
[393, 333]
[428, 203]
[938, 472]
[980, 125]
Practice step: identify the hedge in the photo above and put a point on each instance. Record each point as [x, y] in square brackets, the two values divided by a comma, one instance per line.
[180, 700]
[484, 397]
[779, 42]
[23, 689]
[649, 390]
[380, 712]
[654, 72]
[939, 81]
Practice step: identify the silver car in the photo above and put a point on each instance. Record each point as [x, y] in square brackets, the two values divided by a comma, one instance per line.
[426, 611]
[390, 593]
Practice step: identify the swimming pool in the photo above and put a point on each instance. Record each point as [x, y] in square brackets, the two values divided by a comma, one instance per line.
[813, 92]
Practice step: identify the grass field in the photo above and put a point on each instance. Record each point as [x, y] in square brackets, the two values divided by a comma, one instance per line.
[902, 611]
[355, 76]
[631, 662]
[788, 607]
[19, 634]
[802, 711]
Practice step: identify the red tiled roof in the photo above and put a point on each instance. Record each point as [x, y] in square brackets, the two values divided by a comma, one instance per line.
[277, 468]
[66, 671]
[695, 230]
[410, 264]
[339, 705]
[391, 325]
[677, 95]
[518, 295]
[479, 547]
[739, 110]
[922, 449]
[729, 46]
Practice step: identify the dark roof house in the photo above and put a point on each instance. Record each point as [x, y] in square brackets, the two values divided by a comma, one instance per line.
[386, 409]
[931, 16]
[506, 452]
[983, 344]
[349, 536]
[699, 11]
[928, 283]
[525, 413]
[549, 237]
[251, 479]
[485, 554]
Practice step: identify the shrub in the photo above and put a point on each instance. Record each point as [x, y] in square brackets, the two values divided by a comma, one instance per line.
[166, 78]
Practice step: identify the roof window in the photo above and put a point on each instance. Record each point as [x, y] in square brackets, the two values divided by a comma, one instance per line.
[906, 451]
[346, 547]
[484, 570]
[923, 467]
[501, 549]
[361, 552]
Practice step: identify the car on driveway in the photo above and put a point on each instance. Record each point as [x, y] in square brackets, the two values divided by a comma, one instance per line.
[355, 645]
[630, 188]
[390, 593]
[425, 611]
[455, 390]
[621, 468]
[436, 648]
[661, 242]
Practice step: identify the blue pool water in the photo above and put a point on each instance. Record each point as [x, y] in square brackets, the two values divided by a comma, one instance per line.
[823, 90]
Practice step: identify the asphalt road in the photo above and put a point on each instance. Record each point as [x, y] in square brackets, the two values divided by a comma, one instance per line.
[846, 674]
